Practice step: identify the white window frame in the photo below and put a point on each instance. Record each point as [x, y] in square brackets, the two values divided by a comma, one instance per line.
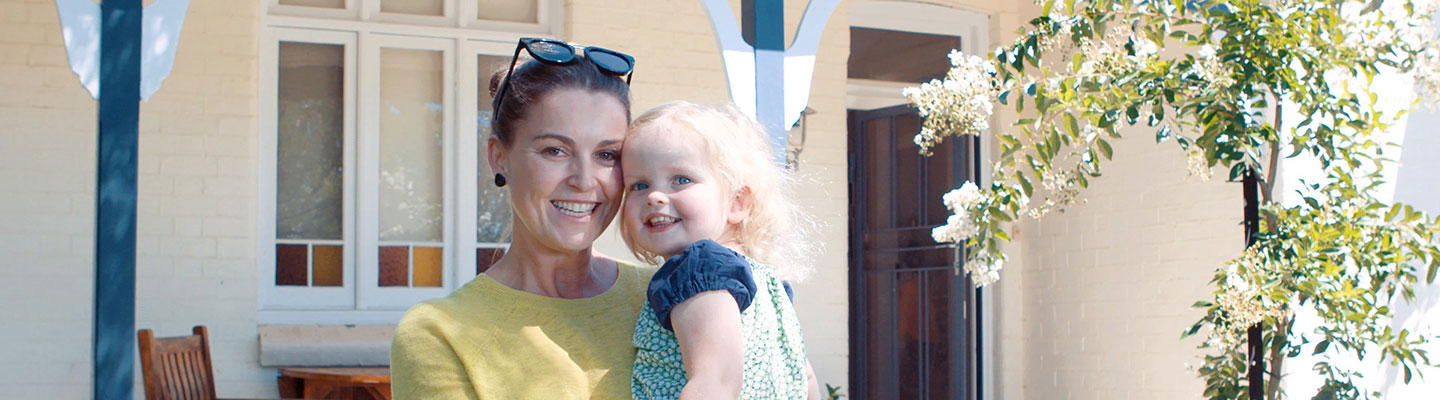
[364, 32]
[369, 294]
[304, 297]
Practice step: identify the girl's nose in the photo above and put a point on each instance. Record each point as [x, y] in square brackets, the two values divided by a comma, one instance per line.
[655, 198]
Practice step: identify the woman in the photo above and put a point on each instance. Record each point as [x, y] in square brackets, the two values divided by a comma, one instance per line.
[551, 319]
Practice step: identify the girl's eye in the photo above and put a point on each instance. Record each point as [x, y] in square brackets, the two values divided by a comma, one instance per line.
[638, 186]
[682, 180]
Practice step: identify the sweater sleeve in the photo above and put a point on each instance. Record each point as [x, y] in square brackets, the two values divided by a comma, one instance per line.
[702, 267]
[423, 365]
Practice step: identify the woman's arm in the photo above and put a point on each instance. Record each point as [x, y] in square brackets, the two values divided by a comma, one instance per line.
[711, 345]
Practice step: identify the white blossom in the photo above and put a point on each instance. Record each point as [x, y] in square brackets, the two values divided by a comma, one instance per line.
[959, 104]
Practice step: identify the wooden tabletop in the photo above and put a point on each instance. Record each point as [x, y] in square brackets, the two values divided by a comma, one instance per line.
[343, 375]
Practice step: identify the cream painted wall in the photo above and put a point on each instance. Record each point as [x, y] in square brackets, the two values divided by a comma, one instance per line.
[196, 201]
[47, 208]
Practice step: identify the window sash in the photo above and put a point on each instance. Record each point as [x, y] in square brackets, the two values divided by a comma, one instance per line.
[302, 297]
[369, 294]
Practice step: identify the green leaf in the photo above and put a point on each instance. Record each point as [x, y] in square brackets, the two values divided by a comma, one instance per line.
[1002, 235]
[1045, 10]
[1202, 304]
[1105, 149]
[1434, 265]
[1004, 97]
[1320, 347]
[1072, 125]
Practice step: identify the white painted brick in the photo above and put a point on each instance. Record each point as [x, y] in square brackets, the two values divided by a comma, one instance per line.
[187, 165]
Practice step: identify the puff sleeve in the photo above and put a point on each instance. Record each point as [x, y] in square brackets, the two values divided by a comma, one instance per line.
[703, 266]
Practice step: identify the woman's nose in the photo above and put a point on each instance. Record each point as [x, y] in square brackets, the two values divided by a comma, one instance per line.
[583, 175]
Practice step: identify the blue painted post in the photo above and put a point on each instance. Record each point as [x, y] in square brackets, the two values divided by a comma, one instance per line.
[764, 27]
[119, 117]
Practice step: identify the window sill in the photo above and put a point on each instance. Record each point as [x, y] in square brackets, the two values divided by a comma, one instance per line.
[325, 345]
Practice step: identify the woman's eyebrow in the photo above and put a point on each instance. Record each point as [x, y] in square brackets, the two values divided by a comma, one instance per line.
[564, 139]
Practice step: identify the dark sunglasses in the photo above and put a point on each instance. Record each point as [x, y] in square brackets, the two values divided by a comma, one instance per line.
[555, 52]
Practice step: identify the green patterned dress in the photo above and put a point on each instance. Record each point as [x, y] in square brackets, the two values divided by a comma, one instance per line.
[774, 349]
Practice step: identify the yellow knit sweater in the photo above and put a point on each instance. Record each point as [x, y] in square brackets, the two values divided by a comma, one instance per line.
[488, 341]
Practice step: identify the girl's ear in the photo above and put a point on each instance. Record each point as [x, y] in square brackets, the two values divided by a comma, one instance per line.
[740, 206]
[496, 156]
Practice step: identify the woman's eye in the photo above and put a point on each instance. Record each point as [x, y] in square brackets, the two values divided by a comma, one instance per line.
[553, 151]
[608, 155]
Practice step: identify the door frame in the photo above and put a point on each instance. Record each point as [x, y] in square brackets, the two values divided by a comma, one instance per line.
[861, 95]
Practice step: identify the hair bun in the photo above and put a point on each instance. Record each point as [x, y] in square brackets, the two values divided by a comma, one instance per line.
[495, 80]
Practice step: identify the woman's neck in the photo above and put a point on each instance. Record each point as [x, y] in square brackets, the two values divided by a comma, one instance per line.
[572, 275]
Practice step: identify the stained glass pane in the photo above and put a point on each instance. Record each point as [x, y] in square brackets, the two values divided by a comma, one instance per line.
[418, 7]
[315, 3]
[394, 266]
[509, 10]
[310, 140]
[290, 265]
[411, 145]
[493, 215]
[429, 265]
[329, 265]
[484, 258]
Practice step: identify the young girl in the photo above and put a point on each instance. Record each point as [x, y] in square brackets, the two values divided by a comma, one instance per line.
[705, 195]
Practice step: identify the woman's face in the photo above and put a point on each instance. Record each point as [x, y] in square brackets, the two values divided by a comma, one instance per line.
[563, 169]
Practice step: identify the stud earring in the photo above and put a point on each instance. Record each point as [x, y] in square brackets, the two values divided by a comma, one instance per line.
[499, 180]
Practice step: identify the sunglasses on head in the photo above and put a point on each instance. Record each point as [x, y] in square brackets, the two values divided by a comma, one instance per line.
[555, 52]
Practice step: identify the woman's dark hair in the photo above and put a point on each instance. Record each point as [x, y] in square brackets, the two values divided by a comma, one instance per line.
[533, 80]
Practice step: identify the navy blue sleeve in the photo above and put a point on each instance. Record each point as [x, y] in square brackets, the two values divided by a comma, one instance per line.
[788, 291]
[702, 267]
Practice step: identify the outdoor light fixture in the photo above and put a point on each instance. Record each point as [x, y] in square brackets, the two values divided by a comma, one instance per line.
[795, 140]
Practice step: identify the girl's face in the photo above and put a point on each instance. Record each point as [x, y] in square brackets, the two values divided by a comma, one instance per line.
[563, 169]
[673, 196]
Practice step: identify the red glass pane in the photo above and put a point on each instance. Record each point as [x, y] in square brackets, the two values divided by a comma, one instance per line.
[484, 258]
[291, 265]
[395, 266]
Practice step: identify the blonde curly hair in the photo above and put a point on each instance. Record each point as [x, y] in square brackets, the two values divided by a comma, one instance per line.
[778, 231]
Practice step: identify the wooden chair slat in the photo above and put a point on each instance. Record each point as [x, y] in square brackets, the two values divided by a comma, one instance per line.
[177, 368]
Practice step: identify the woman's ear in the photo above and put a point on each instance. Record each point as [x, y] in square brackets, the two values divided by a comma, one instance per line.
[740, 206]
[496, 156]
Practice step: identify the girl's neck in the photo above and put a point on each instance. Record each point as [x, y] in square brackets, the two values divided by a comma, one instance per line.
[530, 267]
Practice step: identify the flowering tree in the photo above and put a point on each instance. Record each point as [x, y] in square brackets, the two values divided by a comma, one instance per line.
[1239, 84]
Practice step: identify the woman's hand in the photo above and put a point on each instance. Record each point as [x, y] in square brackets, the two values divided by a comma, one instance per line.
[711, 345]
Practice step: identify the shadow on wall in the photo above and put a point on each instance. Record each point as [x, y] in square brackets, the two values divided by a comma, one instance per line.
[1414, 185]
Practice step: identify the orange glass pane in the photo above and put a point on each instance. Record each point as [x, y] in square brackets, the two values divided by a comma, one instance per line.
[484, 258]
[329, 265]
[290, 265]
[394, 266]
[429, 264]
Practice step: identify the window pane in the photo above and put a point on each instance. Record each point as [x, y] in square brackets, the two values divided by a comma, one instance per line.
[291, 265]
[484, 258]
[394, 266]
[315, 3]
[310, 141]
[329, 265]
[418, 7]
[509, 10]
[411, 141]
[874, 52]
[494, 204]
[429, 265]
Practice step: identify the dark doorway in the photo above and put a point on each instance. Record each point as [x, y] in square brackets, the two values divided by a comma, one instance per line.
[912, 334]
